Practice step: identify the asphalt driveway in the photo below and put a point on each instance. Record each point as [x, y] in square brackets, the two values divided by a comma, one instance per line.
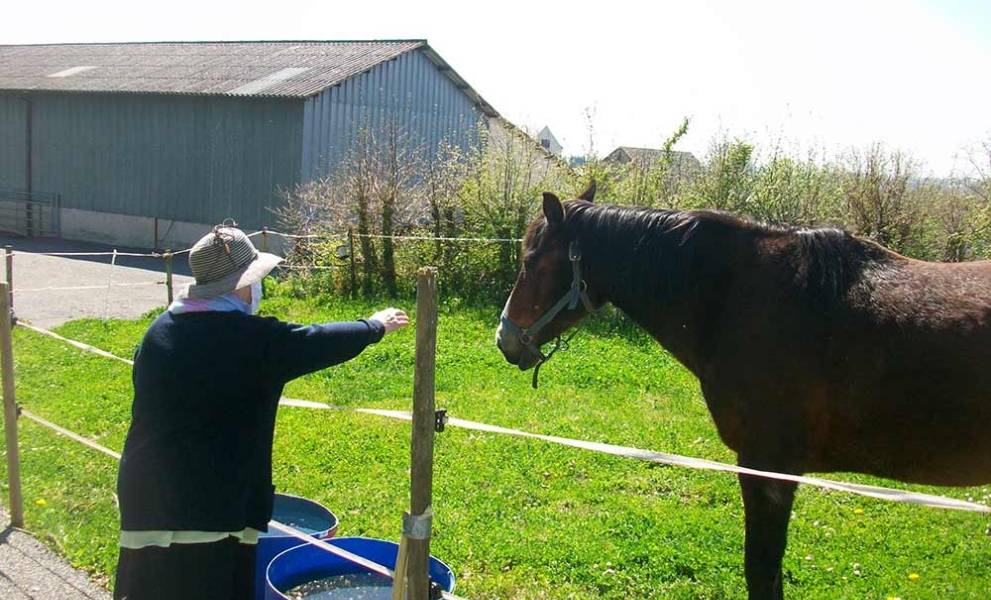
[128, 289]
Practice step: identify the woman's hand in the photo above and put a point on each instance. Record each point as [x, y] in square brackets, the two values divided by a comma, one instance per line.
[391, 318]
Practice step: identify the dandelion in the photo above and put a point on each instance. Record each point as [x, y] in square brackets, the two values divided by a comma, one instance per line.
[858, 511]
[41, 502]
[913, 576]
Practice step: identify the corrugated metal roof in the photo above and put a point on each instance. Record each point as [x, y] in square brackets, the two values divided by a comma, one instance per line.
[286, 69]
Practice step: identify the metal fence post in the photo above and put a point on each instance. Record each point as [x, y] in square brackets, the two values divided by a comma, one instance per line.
[168, 275]
[9, 255]
[265, 239]
[10, 410]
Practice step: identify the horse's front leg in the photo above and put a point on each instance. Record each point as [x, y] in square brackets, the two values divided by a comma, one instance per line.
[767, 507]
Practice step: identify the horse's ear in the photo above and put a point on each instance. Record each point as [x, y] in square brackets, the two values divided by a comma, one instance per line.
[553, 209]
[589, 194]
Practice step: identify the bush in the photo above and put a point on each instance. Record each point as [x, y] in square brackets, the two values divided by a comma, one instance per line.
[388, 191]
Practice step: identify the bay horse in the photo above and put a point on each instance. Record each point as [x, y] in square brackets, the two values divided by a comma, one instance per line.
[816, 350]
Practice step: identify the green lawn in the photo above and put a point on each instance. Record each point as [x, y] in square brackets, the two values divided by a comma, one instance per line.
[515, 518]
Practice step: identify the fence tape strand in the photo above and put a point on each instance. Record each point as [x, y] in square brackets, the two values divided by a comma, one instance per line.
[342, 553]
[870, 491]
[77, 344]
[69, 434]
[84, 287]
[296, 533]
[430, 238]
[137, 254]
[326, 236]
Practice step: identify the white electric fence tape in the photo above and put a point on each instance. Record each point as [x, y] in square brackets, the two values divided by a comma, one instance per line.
[340, 552]
[882, 493]
[80, 345]
[870, 491]
[69, 434]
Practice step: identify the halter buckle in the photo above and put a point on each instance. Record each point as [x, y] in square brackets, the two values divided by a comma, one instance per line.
[574, 252]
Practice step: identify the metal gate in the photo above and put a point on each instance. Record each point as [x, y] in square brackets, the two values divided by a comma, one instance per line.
[32, 214]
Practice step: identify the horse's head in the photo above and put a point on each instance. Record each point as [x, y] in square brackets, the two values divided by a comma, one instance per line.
[550, 294]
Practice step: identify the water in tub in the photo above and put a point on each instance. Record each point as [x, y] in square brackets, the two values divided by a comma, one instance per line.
[354, 586]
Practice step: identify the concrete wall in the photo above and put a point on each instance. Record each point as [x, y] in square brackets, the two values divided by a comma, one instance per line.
[12, 217]
[139, 232]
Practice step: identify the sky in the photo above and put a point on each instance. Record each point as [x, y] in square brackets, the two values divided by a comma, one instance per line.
[805, 75]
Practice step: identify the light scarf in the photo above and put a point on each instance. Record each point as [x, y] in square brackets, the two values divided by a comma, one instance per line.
[228, 302]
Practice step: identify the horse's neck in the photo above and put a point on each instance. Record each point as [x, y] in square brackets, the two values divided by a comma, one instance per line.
[658, 292]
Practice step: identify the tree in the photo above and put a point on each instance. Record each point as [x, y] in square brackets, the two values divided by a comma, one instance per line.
[876, 196]
[506, 172]
[726, 180]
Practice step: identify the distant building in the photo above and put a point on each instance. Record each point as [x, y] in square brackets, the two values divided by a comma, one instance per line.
[546, 139]
[682, 163]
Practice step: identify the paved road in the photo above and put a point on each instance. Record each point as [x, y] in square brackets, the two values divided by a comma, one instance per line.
[35, 273]
[30, 571]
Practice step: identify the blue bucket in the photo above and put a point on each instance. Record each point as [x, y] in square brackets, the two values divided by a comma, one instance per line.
[305, 563]
[306, 515]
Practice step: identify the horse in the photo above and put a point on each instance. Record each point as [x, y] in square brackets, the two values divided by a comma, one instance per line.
[816, 350]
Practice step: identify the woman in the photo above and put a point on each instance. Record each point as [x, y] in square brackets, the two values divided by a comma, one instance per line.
[195, 480]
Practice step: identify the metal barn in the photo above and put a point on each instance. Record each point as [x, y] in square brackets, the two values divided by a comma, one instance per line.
[149, 144]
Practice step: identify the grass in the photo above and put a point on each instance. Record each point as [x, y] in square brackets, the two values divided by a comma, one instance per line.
[515, 518]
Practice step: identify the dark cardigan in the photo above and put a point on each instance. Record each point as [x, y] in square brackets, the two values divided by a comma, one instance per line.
[198, 455]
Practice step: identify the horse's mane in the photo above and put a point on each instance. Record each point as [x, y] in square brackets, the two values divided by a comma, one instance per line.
[824, 262]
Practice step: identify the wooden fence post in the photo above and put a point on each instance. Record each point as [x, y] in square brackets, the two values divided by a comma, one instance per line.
[422, 443]
[9, 255]
[265, 239]
[354, 272]
[10, 409]
[168, 275]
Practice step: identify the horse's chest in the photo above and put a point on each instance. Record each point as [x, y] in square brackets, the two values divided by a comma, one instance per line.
[758, 418]
[727, 415]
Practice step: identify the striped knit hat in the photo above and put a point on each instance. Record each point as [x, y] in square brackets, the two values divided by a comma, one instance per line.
[225, 260]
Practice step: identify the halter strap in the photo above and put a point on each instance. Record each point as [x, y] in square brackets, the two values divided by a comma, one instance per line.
[575, 294]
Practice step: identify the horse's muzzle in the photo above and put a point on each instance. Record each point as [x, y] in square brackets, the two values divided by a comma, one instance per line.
[514, 352]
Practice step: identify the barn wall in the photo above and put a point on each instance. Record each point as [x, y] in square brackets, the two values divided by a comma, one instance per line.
[13, 142]
[409, 91]
[185, 158]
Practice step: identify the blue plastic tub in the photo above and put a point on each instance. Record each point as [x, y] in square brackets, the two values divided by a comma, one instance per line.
[305, 563]
[306, 515]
